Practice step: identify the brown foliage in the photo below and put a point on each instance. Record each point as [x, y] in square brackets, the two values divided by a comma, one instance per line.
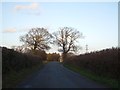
[103, 63]
[41, 53]
[16, 61]
[53, 57]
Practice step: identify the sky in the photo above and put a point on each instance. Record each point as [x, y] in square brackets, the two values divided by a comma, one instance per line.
[98, 21]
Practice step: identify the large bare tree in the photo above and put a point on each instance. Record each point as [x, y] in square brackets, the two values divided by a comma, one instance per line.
[66, 38]
[37, 39]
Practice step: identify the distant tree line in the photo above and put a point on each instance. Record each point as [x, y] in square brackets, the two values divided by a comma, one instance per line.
[104, 63]
[53, 57]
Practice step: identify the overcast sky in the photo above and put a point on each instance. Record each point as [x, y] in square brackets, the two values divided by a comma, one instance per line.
[98, 21]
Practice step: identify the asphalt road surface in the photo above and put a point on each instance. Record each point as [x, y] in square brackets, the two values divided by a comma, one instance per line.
[55, 75]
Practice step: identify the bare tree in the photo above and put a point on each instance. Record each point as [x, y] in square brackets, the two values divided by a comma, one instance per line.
[37, 39]
[66, 39]
[22, 48]
[18, 48]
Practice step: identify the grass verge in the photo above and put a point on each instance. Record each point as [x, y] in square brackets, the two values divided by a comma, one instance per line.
[112, 83]
[14, 78]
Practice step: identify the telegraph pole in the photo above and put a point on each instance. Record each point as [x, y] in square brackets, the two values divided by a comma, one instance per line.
[86, 48]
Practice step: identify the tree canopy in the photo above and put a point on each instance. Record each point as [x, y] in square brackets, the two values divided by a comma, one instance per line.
[66, 38]
[37, 39]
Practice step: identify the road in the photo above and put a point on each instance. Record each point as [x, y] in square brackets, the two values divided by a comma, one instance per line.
[55, 75]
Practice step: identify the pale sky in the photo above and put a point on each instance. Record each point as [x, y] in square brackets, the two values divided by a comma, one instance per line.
[98, 21]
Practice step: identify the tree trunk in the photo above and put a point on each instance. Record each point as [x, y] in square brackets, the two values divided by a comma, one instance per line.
[64, 55]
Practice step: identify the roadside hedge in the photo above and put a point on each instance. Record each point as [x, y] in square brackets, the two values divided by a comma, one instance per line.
[104, 63]
[16, 61]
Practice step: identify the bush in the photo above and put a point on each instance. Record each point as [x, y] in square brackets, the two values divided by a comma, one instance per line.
[104, 62]
[16, 61]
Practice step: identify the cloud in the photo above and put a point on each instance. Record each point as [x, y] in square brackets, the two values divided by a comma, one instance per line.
[32, 6]
[31, 9]
[11, 30]
[15, 30]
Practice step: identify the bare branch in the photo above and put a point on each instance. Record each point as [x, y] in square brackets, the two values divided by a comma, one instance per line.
[66, 38]
[37, 38]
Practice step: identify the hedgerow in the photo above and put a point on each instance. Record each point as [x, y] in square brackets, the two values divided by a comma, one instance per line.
[103, 63]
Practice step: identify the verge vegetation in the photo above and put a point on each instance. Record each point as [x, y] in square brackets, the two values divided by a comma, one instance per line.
[101, 66]
[16, 66]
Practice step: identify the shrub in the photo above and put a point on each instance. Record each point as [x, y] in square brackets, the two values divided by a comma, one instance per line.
[16, 61]
[104, 62]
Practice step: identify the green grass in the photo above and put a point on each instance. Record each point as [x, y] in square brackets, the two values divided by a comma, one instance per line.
[13, 78]
[100, 79]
